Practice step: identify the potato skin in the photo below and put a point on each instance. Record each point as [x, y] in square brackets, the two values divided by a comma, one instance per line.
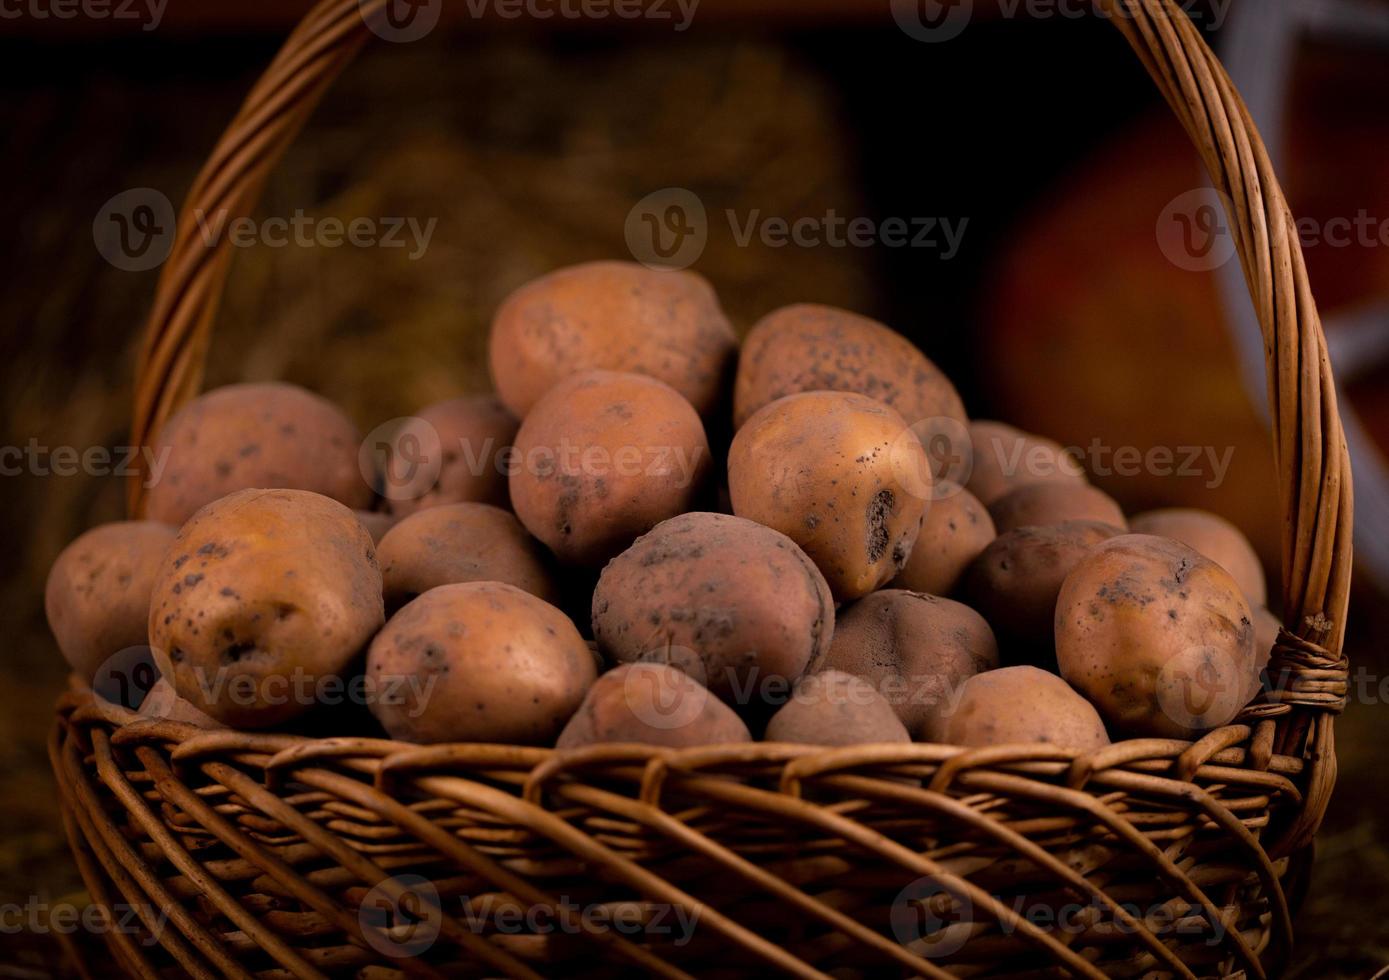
[252, 436]
[1039, 504]
[808, 347]
[957, 528]
[842, 476]
[1214, 537]
[478, 662]
[471, 433]
[835, 708]
[1158, 637]
[914, 649]
[616, 316]
[460, 543]
[603, 458]
[264, 594]
[97, 596]
[1004, 458]
[652, 704]
[737, 605]
[1019, 705]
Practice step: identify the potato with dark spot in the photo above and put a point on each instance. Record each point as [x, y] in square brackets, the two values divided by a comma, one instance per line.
[1003, 458]
[834, 708]
[163, 703]
[603, 458]
[839, 474]
[957, 528]
[1158, 637]
[652, 704]
[1019, 706]
[1214, 537]
[615, 316]
[914, 649]
[478, 662]
[254, 436]
[1039, 504]
[264, 596]
[451, 452]
[737, 605]
[376, 522]
[460, 543]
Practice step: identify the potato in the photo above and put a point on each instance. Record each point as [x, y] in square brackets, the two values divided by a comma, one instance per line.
[98, 592]
[737, 605]
[652, 704]
[1019, 706]
[914, 649]
[835, 708]
[806, 347]
[250, 436]
[1003, 458]
[376, 522]
[1214, 537]
[605, 457]
[163, 702]
[1039, 504]
[460, 543]
[957, 528]
[478, 662]
[1157, 636]
[449, 453]
[842, 476]
[616, 316]
[264, 596]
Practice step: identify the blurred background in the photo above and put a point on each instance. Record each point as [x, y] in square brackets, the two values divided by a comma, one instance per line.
[1033, 218]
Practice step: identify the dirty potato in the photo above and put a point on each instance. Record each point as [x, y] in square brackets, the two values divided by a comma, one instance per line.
[1039, 504]
[652, 704]
[1214, 537]
[1019, 706]
[835, 708]
[957, 528]
[451, 452]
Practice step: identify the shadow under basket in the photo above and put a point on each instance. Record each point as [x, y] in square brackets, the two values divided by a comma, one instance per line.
[242, 854]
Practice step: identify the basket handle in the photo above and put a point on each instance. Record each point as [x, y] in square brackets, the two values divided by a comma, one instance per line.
[1314, 484]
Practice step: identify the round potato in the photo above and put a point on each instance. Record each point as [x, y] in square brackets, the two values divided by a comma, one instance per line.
[616, 316]
[1019, 706]
[1158, 637]
[957, 528]
[842, 476]
[264, 596]
[652, 704]
[1003, 458]
[605, 457]
[254, 436]
[451, 453]
[1214, 537]
[478, 662]
[460, 543]
[835, 708]
[1039, 504]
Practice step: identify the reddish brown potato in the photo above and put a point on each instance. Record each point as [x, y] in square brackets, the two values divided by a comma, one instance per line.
[253, 436]
[834, 708]
[1004, 458]
[264, 596]
[652, 704]
[478, 662]
[1157, 636]
[451, 452]
[1019, 706]
[1214, 537]
[377, 523]
[957, 528]
[737, 605]
[460, 543]
[616, 316]
[1039, 504]
[162, 702]
[842, 476]
[605, 457]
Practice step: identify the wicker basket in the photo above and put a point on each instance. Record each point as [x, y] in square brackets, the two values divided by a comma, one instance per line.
[276, 855]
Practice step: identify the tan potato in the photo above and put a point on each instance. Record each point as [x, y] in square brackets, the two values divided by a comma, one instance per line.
[835, 708]
[1019, 706]
[1214, 537]
[842, 476]
[1004, 458]
[376, 522]
[957, 528]
[254, 436]
[451, 452]
[460, 543]
[915, 649]
[264, 596]
[605, 457]
[1157, 636]
[1039, 504]
[652, 704]
[478, 662]
[615, 316]
[163, 703]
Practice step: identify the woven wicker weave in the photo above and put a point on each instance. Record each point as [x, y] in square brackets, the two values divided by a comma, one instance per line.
[272, 855]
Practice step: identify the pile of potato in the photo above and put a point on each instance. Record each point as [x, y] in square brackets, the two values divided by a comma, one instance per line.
[651, 534]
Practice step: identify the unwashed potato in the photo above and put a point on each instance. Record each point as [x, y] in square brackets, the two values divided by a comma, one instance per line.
[616, 316]
[163, 702]
[1214, 537]
[460, 543]
[957, 528]
[737, 605]
[478, 662]
[1054, 503]
[605, 457]
[1019, 706]
[253, 436]
[1004, 458]
[1157, 636]
[377, 523]
[449, 453]
[842, 476]
[914, 649]
[834, 708]
[652, 704]
[263, 596]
